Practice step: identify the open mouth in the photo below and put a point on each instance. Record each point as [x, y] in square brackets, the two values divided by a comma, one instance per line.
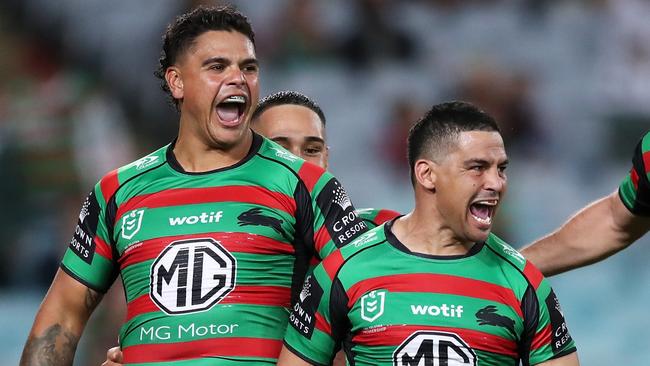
[231, 109]
[483, 211]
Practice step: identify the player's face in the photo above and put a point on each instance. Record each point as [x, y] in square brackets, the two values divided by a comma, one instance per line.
[470, 183]
[217, 84]
[297, 128]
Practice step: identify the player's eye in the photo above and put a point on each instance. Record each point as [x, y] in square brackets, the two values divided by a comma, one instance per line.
[217, 67]
[313, 150]
[251, 68]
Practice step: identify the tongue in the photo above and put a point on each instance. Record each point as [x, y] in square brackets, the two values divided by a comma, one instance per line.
[228, 112]
[480, 211]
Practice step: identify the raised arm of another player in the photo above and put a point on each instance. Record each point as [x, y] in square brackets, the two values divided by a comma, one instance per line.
[59, 322]
[603, 228]
[288, 358]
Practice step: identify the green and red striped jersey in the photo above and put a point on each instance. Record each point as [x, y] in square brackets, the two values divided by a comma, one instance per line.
[386, 305]
[210, 261]
[634, 190]
[374, 217]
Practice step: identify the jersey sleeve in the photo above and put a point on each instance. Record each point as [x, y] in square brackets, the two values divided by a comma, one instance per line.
[89, 257]
[333, 221]
[551, 337]
[374, 217]
[310, 334]
[634, 190]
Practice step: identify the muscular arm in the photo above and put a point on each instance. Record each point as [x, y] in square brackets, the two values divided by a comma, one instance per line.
[568, 360]
[59, 323]
[597, 231]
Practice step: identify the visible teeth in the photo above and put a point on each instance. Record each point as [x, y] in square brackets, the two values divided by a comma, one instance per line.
[486, 220]
[235, 99]
[486, 202]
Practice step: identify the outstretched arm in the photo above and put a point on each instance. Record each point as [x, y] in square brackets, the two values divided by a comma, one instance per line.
[596, 232]
[602, 228]
[59, 322]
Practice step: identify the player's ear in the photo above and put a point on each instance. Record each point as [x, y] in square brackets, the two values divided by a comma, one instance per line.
[174, 81]
[425, 174]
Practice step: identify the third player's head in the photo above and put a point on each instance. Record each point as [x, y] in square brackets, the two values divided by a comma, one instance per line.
[457, 160]
[209, 69]
[294, 121]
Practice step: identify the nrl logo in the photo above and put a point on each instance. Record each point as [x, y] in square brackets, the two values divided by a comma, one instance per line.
[305, 293]
[145, 162]
[513, 253]
[280, 153]
[372, 305]
[131, 224]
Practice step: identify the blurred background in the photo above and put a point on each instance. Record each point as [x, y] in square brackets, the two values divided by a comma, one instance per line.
[569, 82]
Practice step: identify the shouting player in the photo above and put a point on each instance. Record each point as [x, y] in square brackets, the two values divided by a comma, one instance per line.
[432, 287]
[211, 234]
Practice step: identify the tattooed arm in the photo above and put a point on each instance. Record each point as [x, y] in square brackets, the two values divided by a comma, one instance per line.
[59, 323]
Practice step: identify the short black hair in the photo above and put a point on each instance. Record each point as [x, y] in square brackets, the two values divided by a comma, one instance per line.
[439, 128]
[181, 34]
[288, 97]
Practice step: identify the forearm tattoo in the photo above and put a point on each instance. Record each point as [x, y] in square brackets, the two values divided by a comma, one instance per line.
[55, 347]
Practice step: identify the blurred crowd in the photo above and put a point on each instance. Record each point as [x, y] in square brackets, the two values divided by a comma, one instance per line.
[568, 81]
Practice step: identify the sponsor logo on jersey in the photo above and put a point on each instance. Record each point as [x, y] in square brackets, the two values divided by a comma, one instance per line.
[342, 222]
[284, 154]
[489, 316]
[131, 223]
[83, 239]
[192, 275]
[145, 162]
[303, 313]
[372, 305]
[427, 348]
[513, 253]
[254, 216]
[364, 239]
[305, 293]
[203, 218]
[560, 336]
[444, 310]
[185, 331]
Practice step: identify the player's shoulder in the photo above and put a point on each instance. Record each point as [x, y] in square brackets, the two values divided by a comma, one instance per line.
[376, 216]
[292, 164]
[505, 251]
[355, 250]
[112, 181]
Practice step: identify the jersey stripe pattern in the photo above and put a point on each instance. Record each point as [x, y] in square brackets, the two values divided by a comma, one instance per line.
[634, 190]
[374, 217]
[209, 261]
[388, 306]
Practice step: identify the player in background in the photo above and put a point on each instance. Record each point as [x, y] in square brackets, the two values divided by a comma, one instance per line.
[211, 234]
[602, 228]
[432, 287]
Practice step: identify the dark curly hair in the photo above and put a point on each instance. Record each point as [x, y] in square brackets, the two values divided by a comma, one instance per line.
[181, 34]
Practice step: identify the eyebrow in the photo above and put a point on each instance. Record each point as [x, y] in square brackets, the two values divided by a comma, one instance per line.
[223, 60]
[307, 139]
[482, 162]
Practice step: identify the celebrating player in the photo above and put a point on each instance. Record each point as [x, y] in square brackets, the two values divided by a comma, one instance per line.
[211, 234]
[432, 287]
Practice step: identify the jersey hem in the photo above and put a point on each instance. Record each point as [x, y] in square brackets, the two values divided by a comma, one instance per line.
[69, 272]
[301, 356]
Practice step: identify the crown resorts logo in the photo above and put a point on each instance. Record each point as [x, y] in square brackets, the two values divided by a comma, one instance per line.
[305, 292]
[341, 197]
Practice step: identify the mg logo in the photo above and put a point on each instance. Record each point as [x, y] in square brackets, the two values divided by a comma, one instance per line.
[372, 305]
[131, 223]
[424, 348]
[192, 275]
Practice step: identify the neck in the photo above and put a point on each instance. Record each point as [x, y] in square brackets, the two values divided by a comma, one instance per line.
[424, 231]
[196, 155]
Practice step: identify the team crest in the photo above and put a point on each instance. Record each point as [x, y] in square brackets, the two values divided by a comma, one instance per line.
[372, 305]
[131, 224]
